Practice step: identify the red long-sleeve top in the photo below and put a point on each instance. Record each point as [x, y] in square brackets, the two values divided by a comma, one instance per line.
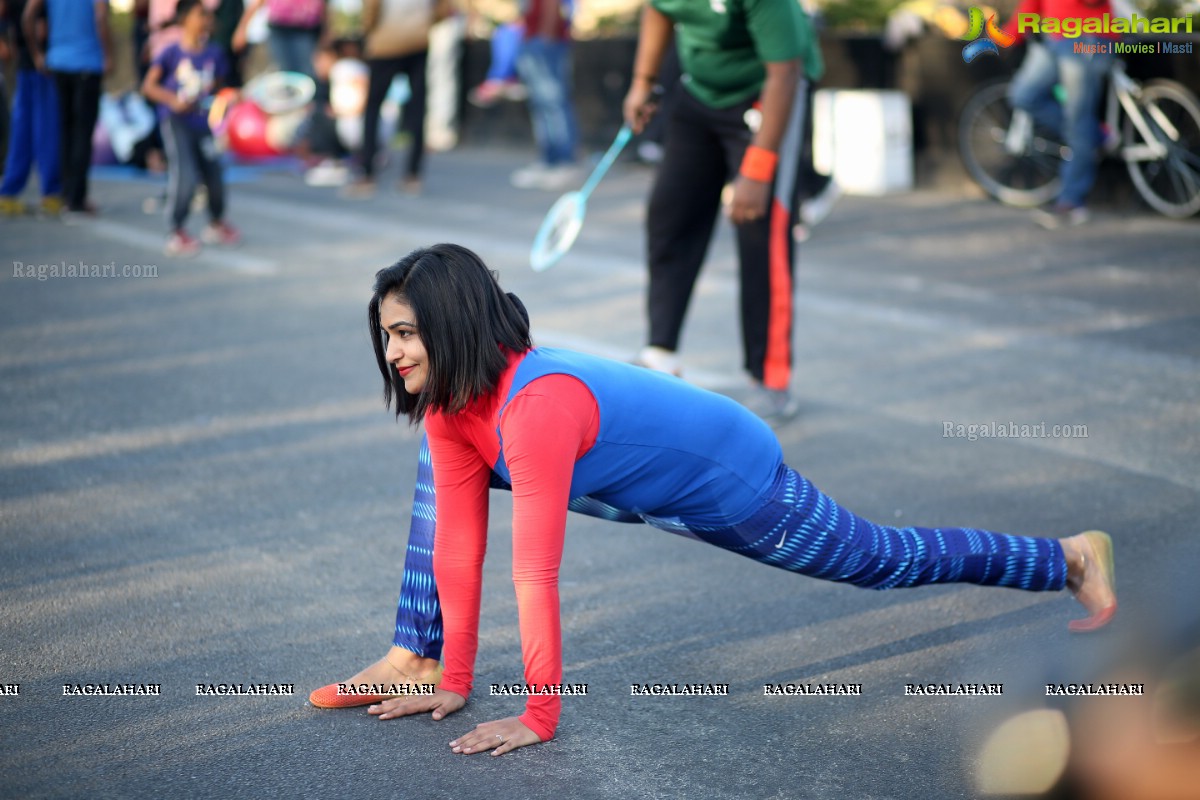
[546, 428]
[1058, 9]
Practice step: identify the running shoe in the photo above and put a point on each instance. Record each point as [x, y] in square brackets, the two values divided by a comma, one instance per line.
[659, 359]
[491, 92]
[817, 207]
[558, 177]
[221, 233]
[776, 407]
[1060, 215]
[361, 189]
[181, 245]
[329, 172]
[11, 207]
[528, 177]
[52, 205]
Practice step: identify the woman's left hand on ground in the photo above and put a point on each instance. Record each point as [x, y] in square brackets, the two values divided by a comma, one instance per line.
[750, 200]
[500, 736]
[441, 703]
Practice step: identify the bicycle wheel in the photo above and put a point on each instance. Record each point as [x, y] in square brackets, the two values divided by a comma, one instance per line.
[1170, 183]
[1016, 167]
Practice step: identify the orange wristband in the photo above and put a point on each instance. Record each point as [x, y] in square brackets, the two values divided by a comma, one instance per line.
[759, 164]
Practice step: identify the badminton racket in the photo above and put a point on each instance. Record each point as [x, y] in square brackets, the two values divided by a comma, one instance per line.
[564, 220]
[280, 92]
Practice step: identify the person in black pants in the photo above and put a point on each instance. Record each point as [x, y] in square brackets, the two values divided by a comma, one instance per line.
[383, 72]
[735, 122]
[397, 43]
[78, 55]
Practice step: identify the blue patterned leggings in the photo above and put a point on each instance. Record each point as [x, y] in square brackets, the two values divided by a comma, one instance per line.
[797, 528]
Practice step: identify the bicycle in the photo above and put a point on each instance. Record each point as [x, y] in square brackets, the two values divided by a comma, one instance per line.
[1017, 161]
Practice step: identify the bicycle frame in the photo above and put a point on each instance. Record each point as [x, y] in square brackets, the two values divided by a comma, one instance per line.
[1125, 90]
[1122, 93]
[1154, 129]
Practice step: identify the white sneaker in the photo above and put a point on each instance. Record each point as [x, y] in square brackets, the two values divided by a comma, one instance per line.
[775, 407]
[559, 177]
[1053, 216]
[649, 152]
[181, 245]
[329, 172]
[817, 208]
[545, 176]
[528, 177]
[660, 359]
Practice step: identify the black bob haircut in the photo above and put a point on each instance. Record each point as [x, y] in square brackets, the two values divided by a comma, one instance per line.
[463, 318]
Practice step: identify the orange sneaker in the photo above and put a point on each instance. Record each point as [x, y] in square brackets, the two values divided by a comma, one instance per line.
[349, 695]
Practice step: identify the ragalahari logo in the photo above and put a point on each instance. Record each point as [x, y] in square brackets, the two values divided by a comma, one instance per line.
[986, 36]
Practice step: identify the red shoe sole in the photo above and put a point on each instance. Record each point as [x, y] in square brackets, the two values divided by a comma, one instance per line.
[328, 697]
[1095, 622]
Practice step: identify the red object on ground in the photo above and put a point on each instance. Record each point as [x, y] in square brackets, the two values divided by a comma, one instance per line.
[246, 127]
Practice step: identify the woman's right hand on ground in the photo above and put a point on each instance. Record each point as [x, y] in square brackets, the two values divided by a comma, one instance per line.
[441, 703]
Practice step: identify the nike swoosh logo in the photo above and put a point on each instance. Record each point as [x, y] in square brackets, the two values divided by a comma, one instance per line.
[781, 540]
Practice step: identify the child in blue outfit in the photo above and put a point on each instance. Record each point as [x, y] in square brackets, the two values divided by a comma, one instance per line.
[182, 77]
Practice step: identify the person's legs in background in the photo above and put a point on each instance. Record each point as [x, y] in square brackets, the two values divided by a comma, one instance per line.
[415, 66]
[5, 122]
[1082, 78]
[46, 132]
[382, 72]
[766, 261]
[183, 171]
[1032, 87]
[501, 81]
[817, 192]
[79, 106]
[680, 218]
[545, 67]
[34, 140]
[19, 158]
[208, 162]
[445, 56]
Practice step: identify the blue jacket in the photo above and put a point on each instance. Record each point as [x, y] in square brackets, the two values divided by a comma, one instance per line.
[665, 449]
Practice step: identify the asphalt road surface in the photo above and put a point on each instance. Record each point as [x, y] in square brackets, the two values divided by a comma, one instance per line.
[199, 484]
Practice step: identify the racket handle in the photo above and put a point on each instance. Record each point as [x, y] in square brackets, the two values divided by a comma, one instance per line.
[614, 150]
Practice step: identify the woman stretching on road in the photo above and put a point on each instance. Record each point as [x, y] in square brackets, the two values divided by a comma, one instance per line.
[455, 352]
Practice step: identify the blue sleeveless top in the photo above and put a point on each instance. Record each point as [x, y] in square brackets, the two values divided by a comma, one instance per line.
[665, 449]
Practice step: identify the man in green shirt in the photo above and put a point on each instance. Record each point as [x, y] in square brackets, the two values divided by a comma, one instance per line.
[736, 118]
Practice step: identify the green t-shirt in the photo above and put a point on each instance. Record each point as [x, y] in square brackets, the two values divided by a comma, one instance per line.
[814, 62]
[723, 44]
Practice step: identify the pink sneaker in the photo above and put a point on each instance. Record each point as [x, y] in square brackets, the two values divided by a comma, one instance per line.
[221, 233]
[486, 94]
[490, 92]
[181, 245]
